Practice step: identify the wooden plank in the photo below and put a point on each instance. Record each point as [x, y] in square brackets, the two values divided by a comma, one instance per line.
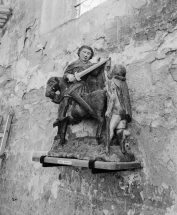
[6, 133]
[85, 163]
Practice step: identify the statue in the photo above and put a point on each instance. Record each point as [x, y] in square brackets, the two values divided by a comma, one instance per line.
[81, 95]
[92, 91]
[119, 108]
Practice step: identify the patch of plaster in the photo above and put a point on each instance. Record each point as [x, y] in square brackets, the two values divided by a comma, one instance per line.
[36, 185]
[20, 73]
[4, 49]
[20, 44]
[137, 3]
[100, 44]
[106, 212]
[121, 8]
[169, 44]
[36, 80]
[54, 189]
[173, 209]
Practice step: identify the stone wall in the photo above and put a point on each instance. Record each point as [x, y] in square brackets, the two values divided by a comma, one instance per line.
[140, 34]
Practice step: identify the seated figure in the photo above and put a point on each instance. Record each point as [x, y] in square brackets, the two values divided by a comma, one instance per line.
[81, 95]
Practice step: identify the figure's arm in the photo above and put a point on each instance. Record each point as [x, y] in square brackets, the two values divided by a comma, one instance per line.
[69, 73]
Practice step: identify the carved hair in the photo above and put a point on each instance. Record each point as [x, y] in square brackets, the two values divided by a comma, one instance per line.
[52, 80]
[86, 47]
[119, 70]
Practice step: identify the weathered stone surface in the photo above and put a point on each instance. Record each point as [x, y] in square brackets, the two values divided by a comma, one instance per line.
[138, 34]
[2, 71]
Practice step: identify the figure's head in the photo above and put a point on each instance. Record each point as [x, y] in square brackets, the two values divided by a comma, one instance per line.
[51, 87]
[85, 53]
[119, 70]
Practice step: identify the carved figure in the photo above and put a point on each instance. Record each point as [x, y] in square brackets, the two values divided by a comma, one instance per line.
[81, 93]
[56, 84]
[119, 108]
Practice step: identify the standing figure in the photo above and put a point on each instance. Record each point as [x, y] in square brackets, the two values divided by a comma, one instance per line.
[119, 107]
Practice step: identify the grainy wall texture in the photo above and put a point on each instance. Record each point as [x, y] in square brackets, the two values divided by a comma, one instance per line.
[140, 34]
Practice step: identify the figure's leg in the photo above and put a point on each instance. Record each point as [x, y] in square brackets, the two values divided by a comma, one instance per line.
[62, 127]
[62, 110]
[57, 137]
[107, 135]
[63, 131]
[125, 135]
[115, 120]
[99, 129]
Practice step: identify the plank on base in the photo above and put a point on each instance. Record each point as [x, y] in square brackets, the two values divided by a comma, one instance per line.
[85, 163]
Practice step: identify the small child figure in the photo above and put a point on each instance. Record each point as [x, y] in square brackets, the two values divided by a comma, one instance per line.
[119, 107]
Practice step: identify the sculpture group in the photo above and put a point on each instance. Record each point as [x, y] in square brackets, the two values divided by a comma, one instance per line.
[95, 91]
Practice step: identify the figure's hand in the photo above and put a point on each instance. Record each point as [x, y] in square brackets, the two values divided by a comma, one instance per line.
[71, 77]
[95, 60]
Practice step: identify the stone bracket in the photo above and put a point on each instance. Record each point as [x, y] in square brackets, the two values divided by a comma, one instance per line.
[95, 166]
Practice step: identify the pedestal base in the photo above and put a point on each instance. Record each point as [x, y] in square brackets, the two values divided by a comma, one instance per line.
[87, 148]
[95, 166]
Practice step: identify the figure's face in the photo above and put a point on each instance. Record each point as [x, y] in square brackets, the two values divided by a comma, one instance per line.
[85, 55]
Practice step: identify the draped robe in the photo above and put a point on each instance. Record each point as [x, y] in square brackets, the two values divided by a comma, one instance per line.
[89, 82]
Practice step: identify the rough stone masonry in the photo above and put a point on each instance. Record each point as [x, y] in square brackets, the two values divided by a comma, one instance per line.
[36, 44]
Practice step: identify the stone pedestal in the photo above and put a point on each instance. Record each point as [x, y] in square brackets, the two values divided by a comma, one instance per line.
[87, 148]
